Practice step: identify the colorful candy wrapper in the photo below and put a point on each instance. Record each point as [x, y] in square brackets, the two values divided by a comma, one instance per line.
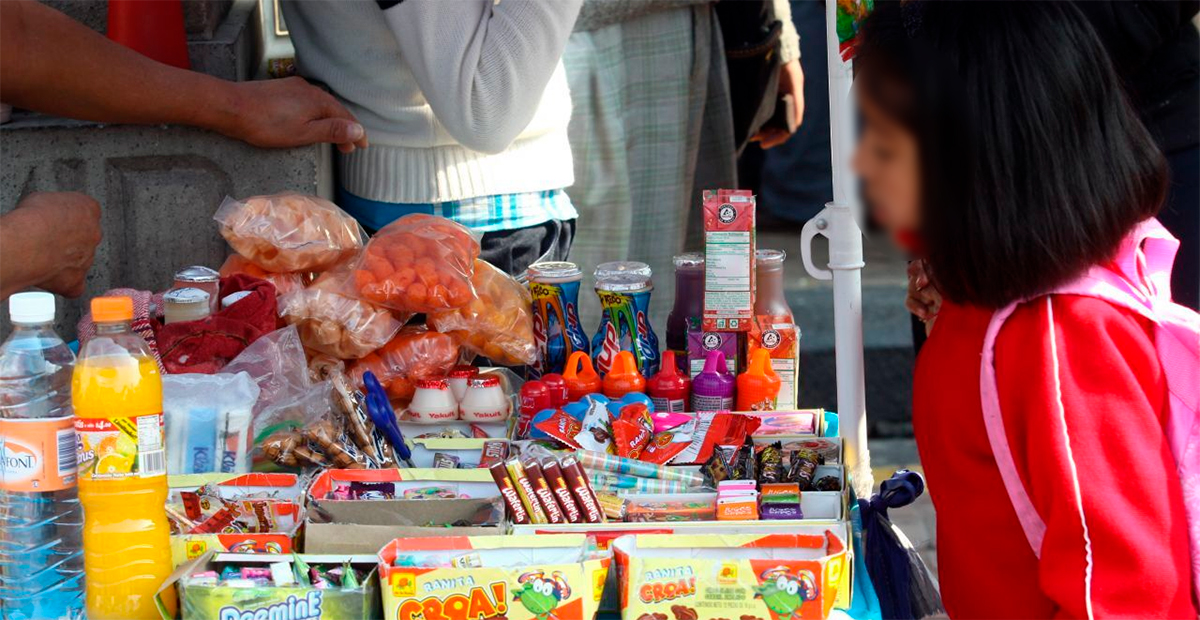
[605, 481]
[581, 489]
[493, 452]
[613, 506]
[558, 485]
[632, 431]
[596, 461]
[596, 431]
[667, 420]
[770, 463]
[300, 568]
[541, 490]
[516, 471]
[349, 578]
[508, 491]
[562, 427]
[803, 468]
[665, 445]
[372, 490]
[715, 469]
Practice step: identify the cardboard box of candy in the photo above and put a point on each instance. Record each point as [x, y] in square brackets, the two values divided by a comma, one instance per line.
[238, 586]
[773, 576]
[242, 513]
[361, 510]
[492, 577]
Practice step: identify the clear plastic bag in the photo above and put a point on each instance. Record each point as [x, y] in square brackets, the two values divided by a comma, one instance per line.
[284, 282]
[419, 263]
[275, 362]
[498, 321]
[415, 353]
[332, 323]
[289, 232]
[207, 420]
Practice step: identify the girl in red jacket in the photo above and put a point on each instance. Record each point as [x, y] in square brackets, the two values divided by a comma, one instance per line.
[997, 137]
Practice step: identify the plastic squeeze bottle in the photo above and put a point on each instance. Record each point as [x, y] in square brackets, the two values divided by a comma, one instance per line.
[581, 378]
[41, 550]
[624, 377]
[758, 387]
[669, 388]
[117, 393]
[712, 389]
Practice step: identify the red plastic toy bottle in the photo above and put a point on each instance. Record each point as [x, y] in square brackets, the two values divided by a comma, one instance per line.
[580, 377]
[558, 389]
[624, 377]
[535, 396]
[758, 387]
[669, 389]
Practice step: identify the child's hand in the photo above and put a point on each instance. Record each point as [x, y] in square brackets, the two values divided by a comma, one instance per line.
[923, 300]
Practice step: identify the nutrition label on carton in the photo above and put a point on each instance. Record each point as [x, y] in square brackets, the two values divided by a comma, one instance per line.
[729, 260]
[727, 255]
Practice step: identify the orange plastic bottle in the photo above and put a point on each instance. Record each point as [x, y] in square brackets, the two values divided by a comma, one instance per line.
[580, 376]
[624, 377]
[117, 394]
[758, 387]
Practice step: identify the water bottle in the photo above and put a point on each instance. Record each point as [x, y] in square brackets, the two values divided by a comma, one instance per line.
[41, 520]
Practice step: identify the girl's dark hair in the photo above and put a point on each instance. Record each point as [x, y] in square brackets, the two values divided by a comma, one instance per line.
[1034, 165]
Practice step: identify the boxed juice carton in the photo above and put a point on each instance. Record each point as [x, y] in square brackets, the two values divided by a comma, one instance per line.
[771, 576]
[361, 510]
[282, 590]
[240, 513]
[492, 577]
[701, 341]
[728, 260]
[782, 341]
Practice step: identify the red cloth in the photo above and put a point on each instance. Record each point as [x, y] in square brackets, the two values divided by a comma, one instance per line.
[1098, 451]
[143, 324]
[206, 346]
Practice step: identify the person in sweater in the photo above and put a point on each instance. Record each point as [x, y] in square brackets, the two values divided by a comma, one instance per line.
[997, 139]
[467, 106]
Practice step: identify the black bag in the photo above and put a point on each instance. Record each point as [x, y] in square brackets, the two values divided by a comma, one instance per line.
[751, 36]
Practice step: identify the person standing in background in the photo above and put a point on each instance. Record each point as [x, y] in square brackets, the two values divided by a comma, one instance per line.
[467, 105]
[652, 127]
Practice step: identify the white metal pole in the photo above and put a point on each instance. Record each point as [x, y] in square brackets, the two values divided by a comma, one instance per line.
[838, 223]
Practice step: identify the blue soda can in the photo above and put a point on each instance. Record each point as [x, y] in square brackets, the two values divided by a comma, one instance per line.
[624, 290]
[554, 287]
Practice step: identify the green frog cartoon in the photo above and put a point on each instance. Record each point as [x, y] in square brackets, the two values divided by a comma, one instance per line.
[784, 593]
[541, 595]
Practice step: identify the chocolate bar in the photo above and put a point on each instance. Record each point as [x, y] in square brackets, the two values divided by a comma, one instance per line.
[508, 491]
[554, 477]
[577, 481]
[542, 492]
[516, 471]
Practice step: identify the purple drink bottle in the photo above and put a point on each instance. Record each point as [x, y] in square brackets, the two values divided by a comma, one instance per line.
[712, 389]
[689, 303]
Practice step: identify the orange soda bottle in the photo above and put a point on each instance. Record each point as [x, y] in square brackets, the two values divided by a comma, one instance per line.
[117, 393]
[758, 387]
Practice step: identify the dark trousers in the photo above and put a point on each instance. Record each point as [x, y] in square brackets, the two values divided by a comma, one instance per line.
[513, 251]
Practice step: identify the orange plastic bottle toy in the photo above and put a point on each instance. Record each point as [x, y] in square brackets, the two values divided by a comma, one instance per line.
[758, 387]
[117, 394]
[624, 377]
[580, 377]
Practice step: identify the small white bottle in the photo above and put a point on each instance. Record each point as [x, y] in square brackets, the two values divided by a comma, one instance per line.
[485, 401]
[460, 377]
[432, 403]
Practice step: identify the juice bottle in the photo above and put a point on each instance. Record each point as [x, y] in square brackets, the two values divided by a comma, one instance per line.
[758, 387]
[624, 377]
[669, 389]
[117, 394]
[689, 303]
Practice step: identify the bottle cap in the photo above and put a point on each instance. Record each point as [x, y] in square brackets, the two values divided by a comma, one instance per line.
[624, 377]
[553, 271]
[714, 362]
[463, 372]
[485, 381]
[621, 267]
[624, 283]
[668, 378]
[112, 309]
[32, 307]
[433, 384]
[770, 257]
[689, 261]
[197, 273]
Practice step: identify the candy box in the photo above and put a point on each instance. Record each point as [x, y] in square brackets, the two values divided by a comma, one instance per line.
[492, 577]
[729, 260]
[771, 576]
[218, 601]
[782, 341]
[409, 503]
[277, 486]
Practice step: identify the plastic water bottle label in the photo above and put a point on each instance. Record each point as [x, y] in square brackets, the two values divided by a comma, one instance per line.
[38, 455]
[112, 448]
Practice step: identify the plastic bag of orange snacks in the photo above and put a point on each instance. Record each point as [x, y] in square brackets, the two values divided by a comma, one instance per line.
[498, 321]
[289, 232]
[340, 326]
[284, 282]
[418, 263]
[415, 353]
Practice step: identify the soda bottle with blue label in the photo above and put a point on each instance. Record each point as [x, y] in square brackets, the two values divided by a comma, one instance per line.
[554, 287]
[624, 290]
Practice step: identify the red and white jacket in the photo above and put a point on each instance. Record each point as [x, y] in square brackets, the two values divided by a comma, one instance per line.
[1083, 414]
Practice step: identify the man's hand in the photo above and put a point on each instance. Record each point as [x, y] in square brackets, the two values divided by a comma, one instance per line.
[290, 112]
[791, 82]
[49, 241]
[924, 300]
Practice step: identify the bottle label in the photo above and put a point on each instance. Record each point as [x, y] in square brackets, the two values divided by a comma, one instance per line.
[667, 404]
[121, 447]
[711, 403]
[39, 455]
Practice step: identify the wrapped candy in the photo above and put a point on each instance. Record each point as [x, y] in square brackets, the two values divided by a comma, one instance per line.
[415, 353]
[289, 232]
[284, 282]
[497, 322]
[341, 326]
[418, 263]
